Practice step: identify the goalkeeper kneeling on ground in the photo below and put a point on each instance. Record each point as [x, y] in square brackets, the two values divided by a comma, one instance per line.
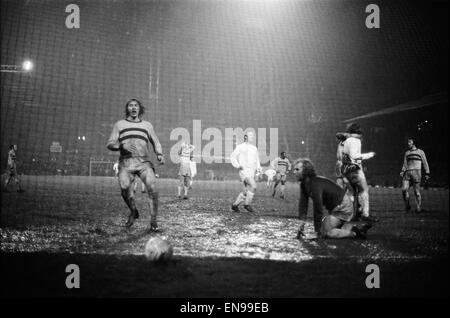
[326, 194]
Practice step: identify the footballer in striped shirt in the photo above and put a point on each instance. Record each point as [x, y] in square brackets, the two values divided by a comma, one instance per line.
[282, 166]
[411, 173]
[132, 137]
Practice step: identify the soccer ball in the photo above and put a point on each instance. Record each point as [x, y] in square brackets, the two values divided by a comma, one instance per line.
[158, 249]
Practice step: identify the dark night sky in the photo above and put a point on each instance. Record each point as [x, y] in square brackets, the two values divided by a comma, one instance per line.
[228, 63]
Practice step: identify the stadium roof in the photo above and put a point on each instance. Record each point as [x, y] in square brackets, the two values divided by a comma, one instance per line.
[429, 100]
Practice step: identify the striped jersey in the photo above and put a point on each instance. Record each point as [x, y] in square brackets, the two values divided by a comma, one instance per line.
[281, 165]
[186, 153]
[414, 159]
[140, 134]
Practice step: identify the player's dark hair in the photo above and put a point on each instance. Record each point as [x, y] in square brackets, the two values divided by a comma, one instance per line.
[341, 137]
[11, 146]
[308, 167]
[354, 128]
[283, 152]
[141, 107]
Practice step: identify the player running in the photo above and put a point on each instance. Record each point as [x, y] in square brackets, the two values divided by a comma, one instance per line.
[132, 137]
[186, 154]
[325, 194]
[11, 170]
[282, 166]
[412, 173]
[246, 158]
[352, 169]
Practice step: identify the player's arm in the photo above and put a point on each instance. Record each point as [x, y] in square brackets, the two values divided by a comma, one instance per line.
[113, 141]
[155, 143]
[425, 164]
[258, 163]
[289, 167]
[316, 196]
[303, 203]
[192, 148]
[405, 165]
[355, 151]
[234, 158]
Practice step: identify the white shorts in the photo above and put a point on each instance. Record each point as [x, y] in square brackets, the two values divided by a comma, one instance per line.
[270, 173]
[247, 173]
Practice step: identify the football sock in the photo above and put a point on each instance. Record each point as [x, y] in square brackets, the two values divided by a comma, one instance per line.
[249, 198]
[364, 201]
[240, 198]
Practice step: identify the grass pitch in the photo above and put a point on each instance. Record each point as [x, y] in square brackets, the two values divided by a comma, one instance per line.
[217, 253]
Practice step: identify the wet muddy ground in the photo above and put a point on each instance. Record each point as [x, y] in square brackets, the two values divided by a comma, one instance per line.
[217, 252]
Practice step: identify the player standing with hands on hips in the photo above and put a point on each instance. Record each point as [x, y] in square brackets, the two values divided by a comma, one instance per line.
[132, 136]
[246, 158]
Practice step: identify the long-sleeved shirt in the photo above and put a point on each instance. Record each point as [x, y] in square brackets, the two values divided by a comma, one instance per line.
[324, 193]
[414, 159]
[141, 134]
[351, 152]
[281, 165]
[245, 155]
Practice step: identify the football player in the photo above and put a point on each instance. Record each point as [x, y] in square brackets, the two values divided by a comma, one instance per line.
[282, 166]
[133, 136]
[413, 162]
[11, 170]
[352, 169]
[325, 194]
[246, 158]
[186, 154]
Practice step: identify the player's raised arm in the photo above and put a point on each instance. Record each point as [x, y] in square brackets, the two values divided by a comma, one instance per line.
[113, 141]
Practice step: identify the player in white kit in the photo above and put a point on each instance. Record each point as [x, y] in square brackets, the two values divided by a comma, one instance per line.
[246, 158]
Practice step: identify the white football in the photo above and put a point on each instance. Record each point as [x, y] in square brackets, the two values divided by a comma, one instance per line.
[158, 249]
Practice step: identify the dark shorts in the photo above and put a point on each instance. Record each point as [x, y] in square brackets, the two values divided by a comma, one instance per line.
[414, 176]
[349, 170]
